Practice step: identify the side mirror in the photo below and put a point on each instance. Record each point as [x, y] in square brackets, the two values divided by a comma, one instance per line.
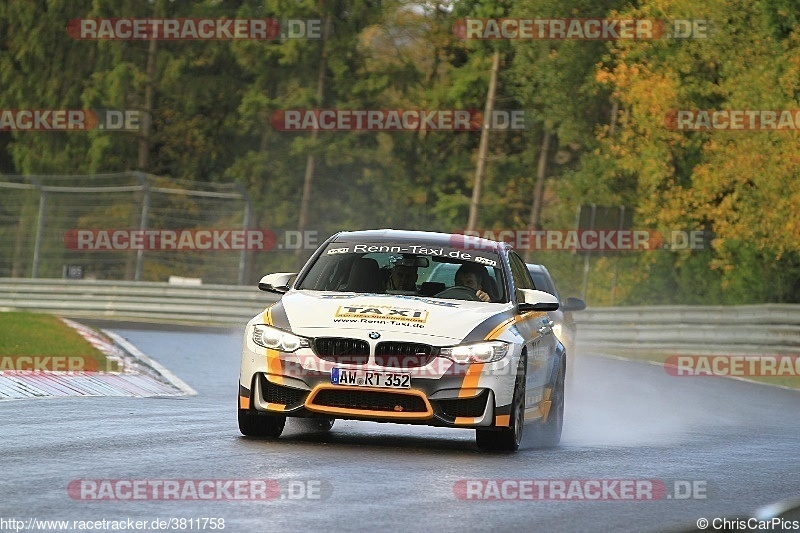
[278, 283]
[534, 300]
[573, 304]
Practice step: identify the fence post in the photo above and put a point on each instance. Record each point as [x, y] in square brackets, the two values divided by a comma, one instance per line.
[616, 258]
[142, 223]
[587, 254]
[246, 226]
[37, 247]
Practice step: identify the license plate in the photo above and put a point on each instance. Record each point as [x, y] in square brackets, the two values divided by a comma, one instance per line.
[368, 378]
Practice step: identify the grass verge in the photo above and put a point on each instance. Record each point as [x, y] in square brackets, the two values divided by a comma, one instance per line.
[37, 341]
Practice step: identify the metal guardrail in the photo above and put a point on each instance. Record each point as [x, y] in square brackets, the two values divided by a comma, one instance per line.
[747, 329]
[141, 301]
[741, 329]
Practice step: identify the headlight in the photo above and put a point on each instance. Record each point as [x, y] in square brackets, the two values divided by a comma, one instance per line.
[275, 339]
[480, 352]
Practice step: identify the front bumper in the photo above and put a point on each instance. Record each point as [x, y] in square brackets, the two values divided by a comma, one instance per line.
[442, 393]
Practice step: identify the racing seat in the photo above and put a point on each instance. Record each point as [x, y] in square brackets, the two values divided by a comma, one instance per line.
[365, 276]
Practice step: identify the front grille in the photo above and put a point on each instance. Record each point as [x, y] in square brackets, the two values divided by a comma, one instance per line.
[288, 396]
[370, 400]
[404, 354]
[467, 407]
[342, 350]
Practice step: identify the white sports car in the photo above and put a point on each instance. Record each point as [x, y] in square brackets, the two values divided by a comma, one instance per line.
[407, 327]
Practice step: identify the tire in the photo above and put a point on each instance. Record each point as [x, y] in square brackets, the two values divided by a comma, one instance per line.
[508, 439]
[548, 434]
[260, 425]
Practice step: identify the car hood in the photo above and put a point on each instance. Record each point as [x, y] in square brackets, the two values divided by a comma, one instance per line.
[317, 313]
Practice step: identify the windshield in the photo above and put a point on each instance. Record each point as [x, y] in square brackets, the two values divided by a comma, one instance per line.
[407, 269]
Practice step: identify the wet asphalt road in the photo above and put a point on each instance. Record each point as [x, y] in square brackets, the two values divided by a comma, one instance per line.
[739, 441]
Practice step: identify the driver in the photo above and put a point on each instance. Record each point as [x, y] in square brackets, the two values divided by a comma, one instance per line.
[403, 278]
[469, 275]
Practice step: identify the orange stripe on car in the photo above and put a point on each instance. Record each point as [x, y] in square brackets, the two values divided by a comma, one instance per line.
[471, 380]
[244, 402]
[500, 327]
[275, 366]
[475, 369]
[496, 332]
[274, 361]
[275, 407]
[540, 412]
[502, 420]
[546, 404]
[545, 409]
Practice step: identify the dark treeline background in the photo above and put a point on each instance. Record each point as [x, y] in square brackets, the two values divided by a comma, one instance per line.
[598, 107]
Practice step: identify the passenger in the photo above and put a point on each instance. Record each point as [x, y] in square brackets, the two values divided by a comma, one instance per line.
[469, 275]
[403, 278]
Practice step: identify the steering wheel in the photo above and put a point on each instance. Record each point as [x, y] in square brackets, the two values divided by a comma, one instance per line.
[459, 292]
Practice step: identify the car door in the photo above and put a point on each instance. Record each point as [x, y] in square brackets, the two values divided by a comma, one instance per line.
[541, 349]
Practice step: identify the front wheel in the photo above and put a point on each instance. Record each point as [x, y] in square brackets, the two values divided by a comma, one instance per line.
[508, 439]
[548, 434]
[260, 425]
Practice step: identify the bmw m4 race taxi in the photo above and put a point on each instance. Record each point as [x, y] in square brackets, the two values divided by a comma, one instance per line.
[407, 327]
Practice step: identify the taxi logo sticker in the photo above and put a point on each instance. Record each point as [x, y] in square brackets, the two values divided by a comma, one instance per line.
[382, 312]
